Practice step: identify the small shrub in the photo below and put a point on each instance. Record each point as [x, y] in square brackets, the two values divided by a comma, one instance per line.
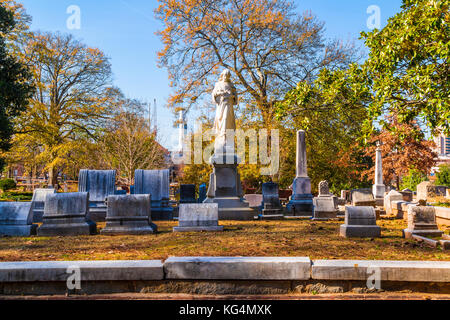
[443, 176]
[7, 184]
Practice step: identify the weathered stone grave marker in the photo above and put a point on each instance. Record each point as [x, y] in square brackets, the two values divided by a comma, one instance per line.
[360, 222]
[198, 217]
[129, 214]
[325, 205]
[16, 219]
[301, 203]
[99, 184]
[65, 214]
[157, 184]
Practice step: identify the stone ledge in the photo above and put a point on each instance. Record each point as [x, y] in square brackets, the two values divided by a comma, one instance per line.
[227, 268]
[238, 268]
[442, 212]
[90, 270]
[414, 271]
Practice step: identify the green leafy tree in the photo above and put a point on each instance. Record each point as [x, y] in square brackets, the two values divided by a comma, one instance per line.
[15, 83]
[408, 65]
[443, 175]
[412, 179]
[331, 110]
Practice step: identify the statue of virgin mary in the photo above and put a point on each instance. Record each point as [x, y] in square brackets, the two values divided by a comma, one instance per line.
[225, 97]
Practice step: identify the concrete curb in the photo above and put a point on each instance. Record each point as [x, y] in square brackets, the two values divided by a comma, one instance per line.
[238, 268]
[414, 271]
[227, 268]
[90, 270]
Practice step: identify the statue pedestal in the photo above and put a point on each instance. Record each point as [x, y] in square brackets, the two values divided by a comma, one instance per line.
[378, 191]
[301, 203]
[225, 189]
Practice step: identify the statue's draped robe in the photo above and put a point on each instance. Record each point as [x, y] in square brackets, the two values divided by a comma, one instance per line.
[225, 97]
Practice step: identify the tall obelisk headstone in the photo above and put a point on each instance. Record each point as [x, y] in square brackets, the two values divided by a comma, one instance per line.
[378, 189]
[301, 203]
[225, 187]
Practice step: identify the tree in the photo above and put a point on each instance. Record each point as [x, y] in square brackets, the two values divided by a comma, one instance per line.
[412, 179]
[72, 100]
[15, 83]
[443, 175]
[331, 110]
[129, 145]
[401, 151]
[408, 65]
[266, 44]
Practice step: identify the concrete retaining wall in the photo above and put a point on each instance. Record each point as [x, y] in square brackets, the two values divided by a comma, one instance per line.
[221, 275]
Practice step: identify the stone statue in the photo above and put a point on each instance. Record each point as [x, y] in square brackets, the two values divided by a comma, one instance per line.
[225, 97]
[225, 186]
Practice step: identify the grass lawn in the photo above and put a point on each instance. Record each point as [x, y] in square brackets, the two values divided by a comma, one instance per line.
[317, 240]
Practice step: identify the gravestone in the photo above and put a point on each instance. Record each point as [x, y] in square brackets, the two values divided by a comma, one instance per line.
[391, 196]
[360, 222]
[99, 184]
[301, 203]
[254, 201]
[407, 195]
[399, 208]
[426, 190]
[16, 219]
[157, 184]
[129, 214]
[271, 202]
[198, 217]
[66, 214]
[201, 193]
[362, 198]
[422, 222]
[38, 202]
[325, 205]
[378, 188]
[187, 193]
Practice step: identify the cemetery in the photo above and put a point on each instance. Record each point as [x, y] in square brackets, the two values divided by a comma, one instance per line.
[327, 206]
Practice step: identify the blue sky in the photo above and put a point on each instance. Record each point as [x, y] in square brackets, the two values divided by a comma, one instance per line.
[125, 31]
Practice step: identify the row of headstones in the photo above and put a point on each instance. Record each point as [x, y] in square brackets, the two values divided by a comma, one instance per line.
[68, 214]
[101, 183]
[95, 187]
[322, 207]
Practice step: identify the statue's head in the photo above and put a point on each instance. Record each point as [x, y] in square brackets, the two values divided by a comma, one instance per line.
[225, 76]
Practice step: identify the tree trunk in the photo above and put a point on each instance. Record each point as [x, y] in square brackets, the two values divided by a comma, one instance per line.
[52, 178]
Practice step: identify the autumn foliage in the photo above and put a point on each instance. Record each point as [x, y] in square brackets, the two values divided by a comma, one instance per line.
[403, 147]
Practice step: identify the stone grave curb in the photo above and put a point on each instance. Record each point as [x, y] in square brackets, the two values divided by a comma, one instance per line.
[226, 268]
[411, 271]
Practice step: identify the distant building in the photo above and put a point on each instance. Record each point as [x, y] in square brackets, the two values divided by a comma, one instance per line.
[177, 154]
[443, 151]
